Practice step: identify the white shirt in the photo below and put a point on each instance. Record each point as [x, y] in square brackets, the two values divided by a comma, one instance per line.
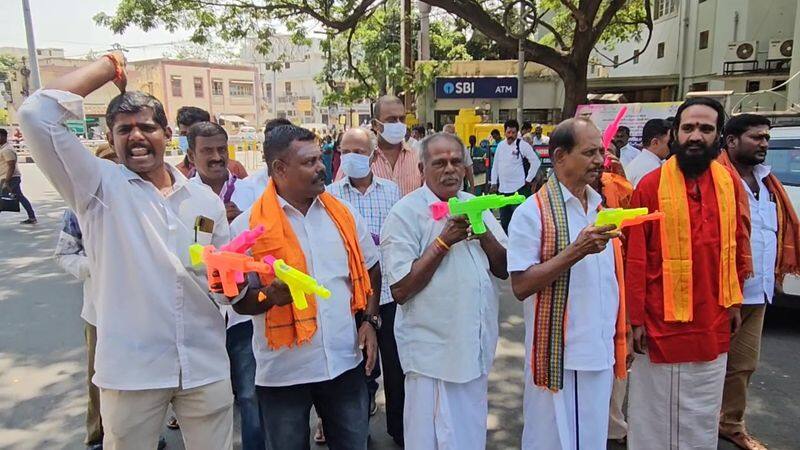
[644, 163]
[593, 290]
[250, 189]
[157, 327]
[763, 241]
[627, 154]
[449, 329]
[544, 140]
[231, 317]
[333, 349]
[507, 167]
[374, 206]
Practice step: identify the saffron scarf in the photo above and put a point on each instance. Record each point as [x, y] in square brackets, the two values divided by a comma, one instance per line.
[287, 326]
[788, 260]
[676, 245]
[617, 191]
[547, 357]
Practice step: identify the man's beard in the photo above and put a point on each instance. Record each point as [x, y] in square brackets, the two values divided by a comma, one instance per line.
[695, 164]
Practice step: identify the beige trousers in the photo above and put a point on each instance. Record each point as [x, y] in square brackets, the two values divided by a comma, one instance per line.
[742, 362]
[94, 426]
[134, 419]
[617, 426]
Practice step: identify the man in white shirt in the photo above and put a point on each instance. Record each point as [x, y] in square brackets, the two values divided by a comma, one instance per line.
[655, 150]
[746, 138]
[446, 325]
[313, 355]
[564, 270]
[11, 177]
[626, 151]
[538, 139]
[251, 188]
[373, 197]
[508, 171]
[160, 337]
[208, 154]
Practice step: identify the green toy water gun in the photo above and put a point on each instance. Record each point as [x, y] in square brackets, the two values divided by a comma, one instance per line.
[474, 207]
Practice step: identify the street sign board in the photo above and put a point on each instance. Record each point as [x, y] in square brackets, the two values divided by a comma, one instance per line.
[476, 87]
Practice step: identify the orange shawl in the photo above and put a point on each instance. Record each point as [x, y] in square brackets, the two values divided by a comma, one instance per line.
[286, 325]
[617, 191]
[676, 245]
[788, 260]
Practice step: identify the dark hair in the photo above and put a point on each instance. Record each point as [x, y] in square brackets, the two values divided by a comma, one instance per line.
[494, 130]
[511, 123]
[705, 101]
[739, 124]
[563, 136]
[190, 115]
[625, 129]
[386, 99]
[131, 102]
[204, 129]
[527, 125]
[419, 129]
[3, 133]
[275, 123]
[281, 138]
[654, 128]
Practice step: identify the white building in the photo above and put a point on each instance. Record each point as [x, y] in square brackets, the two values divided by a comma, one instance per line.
[288, 82]
[706, 45]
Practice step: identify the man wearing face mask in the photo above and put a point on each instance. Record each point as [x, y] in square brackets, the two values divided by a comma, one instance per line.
[393, 160]
[188, 116]
[374, 197]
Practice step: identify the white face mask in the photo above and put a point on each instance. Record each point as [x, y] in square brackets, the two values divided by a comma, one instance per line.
[393, 133]
[355, 165]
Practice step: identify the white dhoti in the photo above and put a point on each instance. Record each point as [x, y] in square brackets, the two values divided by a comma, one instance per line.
[439, 415]
[675, 406]
[573, 418]
[617, 426]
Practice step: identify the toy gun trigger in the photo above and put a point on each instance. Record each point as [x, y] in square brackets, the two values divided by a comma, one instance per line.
[476, 222]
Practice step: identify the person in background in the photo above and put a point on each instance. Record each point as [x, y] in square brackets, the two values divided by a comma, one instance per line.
[685, 287]
[417, 134]
[469, 175]
[310, 356]
[526, 128]
[11, 177]
[538, 138]
[655, 150]
[373, 197]
[508, 175]
[626, 151]
[160, 338]
[774, 239]
[188, 116]
[429, 129]
[327, 158]
[478, 156]
[251, 188]
[445, 281]
[569, 278]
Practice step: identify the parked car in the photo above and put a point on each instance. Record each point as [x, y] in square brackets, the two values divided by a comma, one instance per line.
[784, 158]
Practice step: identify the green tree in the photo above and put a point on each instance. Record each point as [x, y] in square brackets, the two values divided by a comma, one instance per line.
[570, 29]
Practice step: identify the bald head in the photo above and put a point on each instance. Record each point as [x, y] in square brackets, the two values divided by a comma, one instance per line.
[357, 140]
[386, 106]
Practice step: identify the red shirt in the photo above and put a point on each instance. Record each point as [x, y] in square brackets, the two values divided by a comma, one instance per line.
[708, 335]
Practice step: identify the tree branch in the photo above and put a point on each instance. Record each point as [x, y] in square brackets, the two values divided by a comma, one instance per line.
[350, 64]
[601, 25]
[559, 39]
[648, 22]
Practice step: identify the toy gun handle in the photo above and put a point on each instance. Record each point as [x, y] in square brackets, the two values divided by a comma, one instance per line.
[298, 296]
[476, 220]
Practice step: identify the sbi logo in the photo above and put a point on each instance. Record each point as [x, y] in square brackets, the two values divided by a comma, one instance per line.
[460, 87]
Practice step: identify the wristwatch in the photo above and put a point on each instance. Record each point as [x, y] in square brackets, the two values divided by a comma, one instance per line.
[374, 320]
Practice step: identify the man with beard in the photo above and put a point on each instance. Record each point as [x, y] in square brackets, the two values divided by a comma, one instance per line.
[685, 286]
[310, 356]
[564, 270]
[160, 338]
[446, 325]
[774, 244]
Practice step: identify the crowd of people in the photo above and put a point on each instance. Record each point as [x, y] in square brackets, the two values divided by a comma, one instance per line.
[675, 305]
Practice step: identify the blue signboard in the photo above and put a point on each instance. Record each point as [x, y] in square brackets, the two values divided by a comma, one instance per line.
[476, 87]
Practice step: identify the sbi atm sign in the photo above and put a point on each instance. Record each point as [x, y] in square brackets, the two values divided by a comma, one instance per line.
[476, 87]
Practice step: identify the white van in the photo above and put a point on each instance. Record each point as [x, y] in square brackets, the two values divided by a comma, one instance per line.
[784, 158]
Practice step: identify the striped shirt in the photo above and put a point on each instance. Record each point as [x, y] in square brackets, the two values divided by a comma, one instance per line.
[374, 206]
[405, 173]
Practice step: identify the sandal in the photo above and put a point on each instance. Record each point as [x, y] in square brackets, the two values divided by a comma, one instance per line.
[319, 434]
[172, 423]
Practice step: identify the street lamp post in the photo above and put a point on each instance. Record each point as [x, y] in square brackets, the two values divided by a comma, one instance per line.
[34, 77]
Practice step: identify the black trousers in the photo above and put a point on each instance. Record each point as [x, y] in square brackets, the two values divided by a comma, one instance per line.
[506, 212]
[393, 377]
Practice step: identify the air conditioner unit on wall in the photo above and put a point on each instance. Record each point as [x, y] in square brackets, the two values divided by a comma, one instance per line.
[742, 51]
[780, 49]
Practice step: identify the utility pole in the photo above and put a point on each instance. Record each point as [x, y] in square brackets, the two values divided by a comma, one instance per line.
[521, 66]
[793, 91]
[424, 39]
[35, 80]
[406, 54]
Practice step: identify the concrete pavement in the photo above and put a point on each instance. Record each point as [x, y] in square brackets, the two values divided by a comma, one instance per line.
[42, 373]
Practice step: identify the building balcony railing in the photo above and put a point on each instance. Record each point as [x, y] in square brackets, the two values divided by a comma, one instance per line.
[767, 67]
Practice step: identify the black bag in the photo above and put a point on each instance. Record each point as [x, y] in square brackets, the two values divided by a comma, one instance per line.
[541, 174]
[8, 201]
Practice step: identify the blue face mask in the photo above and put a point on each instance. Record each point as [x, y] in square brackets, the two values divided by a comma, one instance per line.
[183, 143]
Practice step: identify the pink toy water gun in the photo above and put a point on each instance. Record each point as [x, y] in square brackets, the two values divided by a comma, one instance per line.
[610, 131]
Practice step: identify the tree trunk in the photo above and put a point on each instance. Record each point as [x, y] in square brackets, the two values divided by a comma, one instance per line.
[575, 90]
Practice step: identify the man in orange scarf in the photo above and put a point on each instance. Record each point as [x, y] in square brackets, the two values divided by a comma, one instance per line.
[313, 355]
[683, 286]
[774, 232]
[563, 269]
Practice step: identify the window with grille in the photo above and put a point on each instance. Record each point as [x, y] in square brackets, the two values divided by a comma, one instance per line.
[240, 89]
[177, 89]
[198, 87]
[662, 8]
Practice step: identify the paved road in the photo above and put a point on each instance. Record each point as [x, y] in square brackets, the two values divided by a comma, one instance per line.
[42, 374]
